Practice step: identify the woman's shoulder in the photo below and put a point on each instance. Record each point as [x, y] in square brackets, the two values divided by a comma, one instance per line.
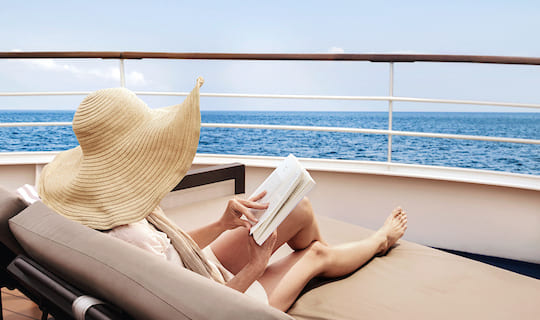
[143, 235]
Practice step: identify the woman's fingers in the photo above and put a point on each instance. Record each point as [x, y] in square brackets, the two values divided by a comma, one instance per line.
[271, 241]
[258, 197]
[254, 205]
[249, 215]
[244, 206]
[239, 208]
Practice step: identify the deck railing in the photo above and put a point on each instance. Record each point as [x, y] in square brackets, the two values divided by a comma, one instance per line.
[386, 58]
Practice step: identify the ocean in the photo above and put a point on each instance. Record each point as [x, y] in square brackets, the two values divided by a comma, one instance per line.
[509, 157]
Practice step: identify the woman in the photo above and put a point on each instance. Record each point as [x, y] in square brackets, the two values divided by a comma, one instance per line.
[284, 280]
[131, 156]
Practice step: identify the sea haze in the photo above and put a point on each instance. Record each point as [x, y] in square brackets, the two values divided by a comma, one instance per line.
[510, 157]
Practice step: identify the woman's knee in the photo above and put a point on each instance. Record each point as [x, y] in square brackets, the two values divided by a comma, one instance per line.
[304, 212]
[319, 252]
[302, 225]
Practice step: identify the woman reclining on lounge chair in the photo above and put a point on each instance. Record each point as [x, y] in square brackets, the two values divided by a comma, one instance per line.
[284, 280]
[130, 157]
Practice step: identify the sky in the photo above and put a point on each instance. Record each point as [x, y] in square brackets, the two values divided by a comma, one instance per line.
[509, 28]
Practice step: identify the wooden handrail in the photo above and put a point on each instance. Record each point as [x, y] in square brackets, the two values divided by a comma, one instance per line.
[373, 57]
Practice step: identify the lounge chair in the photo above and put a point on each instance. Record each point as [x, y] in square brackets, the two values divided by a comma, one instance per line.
[61, 260]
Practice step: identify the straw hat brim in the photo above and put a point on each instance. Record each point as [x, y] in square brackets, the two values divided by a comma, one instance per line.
[119, 178]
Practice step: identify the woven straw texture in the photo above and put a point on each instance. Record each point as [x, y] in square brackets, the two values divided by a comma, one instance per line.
[129, 158]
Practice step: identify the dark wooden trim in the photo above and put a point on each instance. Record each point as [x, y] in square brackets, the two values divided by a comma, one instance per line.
[213, 174]
[373, 57]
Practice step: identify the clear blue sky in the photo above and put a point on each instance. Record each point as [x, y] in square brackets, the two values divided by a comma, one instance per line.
[454, 27]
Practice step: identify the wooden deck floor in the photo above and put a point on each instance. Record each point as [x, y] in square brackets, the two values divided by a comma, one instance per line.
[16, 306]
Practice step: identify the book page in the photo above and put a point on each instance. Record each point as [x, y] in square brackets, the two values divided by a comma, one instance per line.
[305, 184]
[285, 187]
[278, 185]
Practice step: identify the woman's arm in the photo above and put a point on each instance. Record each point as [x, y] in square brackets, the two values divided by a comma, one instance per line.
[205, 235]
[231, 219]
[243, 279]
[258, 260]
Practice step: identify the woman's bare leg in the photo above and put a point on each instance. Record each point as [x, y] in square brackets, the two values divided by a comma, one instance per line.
[285, 279]
[298, 230]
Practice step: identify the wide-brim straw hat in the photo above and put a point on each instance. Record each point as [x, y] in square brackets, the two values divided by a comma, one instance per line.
[129, 157]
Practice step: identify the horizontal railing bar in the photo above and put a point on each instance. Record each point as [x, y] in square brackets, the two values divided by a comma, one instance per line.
[315, 128]
[371, 131]
[373, 57]
[469, 102]
[33, 124]
[44, 93]
[293, 96]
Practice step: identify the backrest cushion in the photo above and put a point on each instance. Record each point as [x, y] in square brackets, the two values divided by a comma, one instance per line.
[10, 205]
[144, 285]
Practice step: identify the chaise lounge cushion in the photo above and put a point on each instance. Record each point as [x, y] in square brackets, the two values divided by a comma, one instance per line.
[140, 283]
[10, 205]
[411, 282]
[418, 282]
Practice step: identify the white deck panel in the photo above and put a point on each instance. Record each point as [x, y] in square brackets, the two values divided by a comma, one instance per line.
[490, 213]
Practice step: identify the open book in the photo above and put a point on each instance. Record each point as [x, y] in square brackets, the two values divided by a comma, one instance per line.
[285, 187]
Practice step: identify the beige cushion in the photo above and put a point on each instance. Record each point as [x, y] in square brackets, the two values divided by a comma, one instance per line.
[411, 282]
[417, 282]
[10, 205]
[143, 285]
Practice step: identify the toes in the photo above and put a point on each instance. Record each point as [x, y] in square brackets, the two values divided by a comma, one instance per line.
[403, 214]
[404, 225]
[397, 219]
[403, 220]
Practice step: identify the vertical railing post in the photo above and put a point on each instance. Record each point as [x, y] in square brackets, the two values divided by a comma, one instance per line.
[122, 74]
[390, 107]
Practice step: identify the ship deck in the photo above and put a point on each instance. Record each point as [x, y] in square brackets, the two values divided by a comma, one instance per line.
[488, 216]
[16, 306]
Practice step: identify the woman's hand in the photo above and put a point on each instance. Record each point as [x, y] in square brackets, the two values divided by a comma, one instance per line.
[258, 260]
[236, 208]
[259, 255]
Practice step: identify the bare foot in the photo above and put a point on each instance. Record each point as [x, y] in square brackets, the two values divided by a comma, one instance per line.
[393, 229]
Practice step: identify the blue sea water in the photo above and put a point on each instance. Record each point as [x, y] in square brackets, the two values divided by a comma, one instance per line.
[510, 157]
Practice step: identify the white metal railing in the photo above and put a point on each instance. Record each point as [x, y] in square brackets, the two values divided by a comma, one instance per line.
[314, 128]
[390, 112]
[291, 97]
[390, 98]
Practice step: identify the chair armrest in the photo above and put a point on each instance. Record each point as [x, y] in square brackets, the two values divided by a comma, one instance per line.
[54, 295]
[213, 174]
